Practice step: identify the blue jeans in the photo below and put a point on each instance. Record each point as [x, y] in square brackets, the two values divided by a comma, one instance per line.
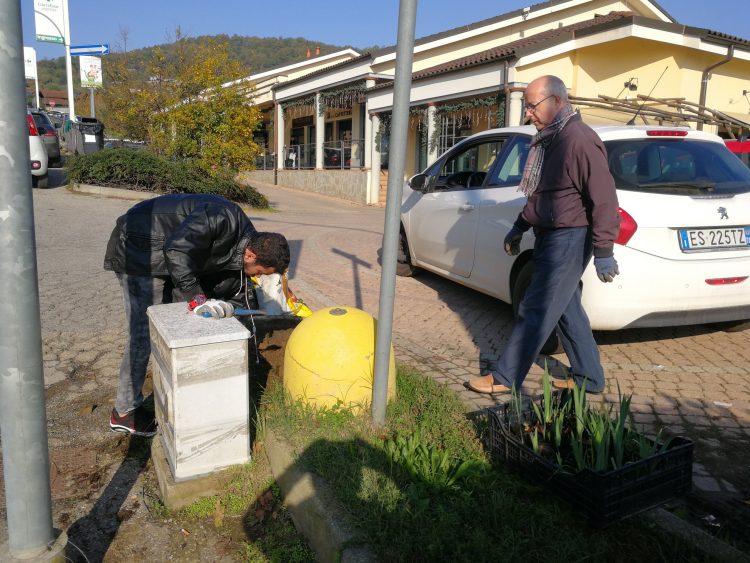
[554, 299]
[138, 294]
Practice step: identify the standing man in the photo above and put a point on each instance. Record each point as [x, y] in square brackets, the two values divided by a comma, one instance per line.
[572, 207]
[181, 247]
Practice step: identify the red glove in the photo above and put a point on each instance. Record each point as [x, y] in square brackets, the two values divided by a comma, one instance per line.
[199, 299]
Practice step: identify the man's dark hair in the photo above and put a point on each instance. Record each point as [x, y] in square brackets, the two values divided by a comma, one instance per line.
[271, 250]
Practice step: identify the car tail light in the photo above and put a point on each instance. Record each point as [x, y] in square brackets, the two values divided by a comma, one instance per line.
[666, 133]
[32, 126]
[35, 165]
[726, 281]
[628, 227]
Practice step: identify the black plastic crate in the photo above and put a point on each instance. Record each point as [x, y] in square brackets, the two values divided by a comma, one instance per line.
[603, 497]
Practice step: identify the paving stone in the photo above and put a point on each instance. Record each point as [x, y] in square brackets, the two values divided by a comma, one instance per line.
[706, 484]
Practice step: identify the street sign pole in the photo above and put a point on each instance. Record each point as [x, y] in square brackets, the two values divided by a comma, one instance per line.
[68, 62]
[92, 107]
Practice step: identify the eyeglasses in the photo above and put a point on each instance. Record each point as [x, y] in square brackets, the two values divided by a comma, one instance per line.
[532, 107]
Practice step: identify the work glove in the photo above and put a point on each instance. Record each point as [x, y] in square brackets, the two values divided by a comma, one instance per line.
[512, 243]
[606, 268]
[215, 308]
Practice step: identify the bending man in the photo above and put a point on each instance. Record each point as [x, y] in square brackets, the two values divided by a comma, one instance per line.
[181, 248]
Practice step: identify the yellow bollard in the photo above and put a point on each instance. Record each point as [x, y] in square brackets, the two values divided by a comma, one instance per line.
[330, 357]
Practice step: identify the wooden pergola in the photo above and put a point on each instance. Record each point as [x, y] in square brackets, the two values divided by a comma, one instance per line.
[674, 111]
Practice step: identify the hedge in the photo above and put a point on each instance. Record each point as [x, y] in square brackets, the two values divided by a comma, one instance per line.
[141, 170]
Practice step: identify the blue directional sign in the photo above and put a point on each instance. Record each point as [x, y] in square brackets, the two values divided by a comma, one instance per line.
[77, 50]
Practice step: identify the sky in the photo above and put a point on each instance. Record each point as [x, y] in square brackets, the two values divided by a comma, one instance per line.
[151, 22]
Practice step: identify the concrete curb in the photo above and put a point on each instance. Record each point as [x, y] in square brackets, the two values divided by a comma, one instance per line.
[316, 513]
[103, 191]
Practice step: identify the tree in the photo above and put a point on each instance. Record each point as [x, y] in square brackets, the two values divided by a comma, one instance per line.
[192, 104]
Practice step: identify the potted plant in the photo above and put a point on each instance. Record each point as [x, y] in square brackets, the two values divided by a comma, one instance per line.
[591, 456]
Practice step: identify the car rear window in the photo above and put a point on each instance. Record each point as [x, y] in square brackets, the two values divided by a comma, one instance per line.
[41, 120]
[681, 166]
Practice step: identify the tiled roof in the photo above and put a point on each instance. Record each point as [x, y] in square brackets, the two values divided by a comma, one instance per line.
[510, 49]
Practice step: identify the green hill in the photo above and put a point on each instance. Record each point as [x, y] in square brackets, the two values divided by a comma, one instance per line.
[255, 53]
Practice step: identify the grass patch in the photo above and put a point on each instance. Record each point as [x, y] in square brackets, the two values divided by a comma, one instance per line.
[422, 488]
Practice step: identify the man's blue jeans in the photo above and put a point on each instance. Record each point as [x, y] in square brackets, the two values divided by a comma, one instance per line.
[554, 298]
[138, 294]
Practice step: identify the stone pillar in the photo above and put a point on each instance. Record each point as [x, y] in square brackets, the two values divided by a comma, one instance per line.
[201, 390]
[374, 192]
[320, 133]
[280, 134]
[432, 135]
[515, 108]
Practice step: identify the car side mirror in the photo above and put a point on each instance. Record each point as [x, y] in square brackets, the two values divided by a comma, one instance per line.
[418, 183]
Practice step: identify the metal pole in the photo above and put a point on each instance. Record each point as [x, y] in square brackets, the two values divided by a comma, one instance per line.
[68, 62]
[23, 423]
[36, 86]
[396, 163]
[93, 107]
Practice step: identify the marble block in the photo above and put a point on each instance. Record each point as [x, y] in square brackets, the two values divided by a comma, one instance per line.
[201, 390]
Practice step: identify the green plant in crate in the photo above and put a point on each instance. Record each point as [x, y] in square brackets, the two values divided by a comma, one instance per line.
[565, 428]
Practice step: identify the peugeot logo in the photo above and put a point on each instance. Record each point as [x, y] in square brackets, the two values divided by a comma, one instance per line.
[722, 211]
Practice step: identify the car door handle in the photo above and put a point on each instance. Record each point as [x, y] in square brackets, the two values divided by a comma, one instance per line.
[467, 207]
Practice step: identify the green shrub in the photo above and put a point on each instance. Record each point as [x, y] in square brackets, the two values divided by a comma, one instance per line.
[142, 170]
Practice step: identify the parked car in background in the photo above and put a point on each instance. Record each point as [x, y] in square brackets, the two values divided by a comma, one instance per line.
[740, 148]
[48, 133]
[38, 153]
[684, 242]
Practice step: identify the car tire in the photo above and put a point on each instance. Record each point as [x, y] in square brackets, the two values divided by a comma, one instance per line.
[733, 326]
[552, 346]
[39, 181]
[404, 266]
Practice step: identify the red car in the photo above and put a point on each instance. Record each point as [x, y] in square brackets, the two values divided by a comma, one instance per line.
[741, 148]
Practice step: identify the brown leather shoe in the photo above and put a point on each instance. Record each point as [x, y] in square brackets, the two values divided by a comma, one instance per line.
[486, 384]
[564, 383]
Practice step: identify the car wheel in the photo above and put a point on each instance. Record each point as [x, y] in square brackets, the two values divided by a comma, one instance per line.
[552, 346]
[404, 266]
[39, 181]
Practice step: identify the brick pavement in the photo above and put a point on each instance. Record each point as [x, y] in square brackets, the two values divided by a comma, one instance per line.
[693, 380]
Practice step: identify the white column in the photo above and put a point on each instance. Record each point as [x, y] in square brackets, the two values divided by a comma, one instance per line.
[280, 134]
[320, 133]
[375, 164]
[432, 144]
[368, 148]
[515, 108]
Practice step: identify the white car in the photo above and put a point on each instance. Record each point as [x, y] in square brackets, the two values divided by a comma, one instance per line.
[38, 152]
[684, 244]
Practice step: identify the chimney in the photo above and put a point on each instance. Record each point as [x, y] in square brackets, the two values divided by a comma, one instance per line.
[308, 52]
[317, 51]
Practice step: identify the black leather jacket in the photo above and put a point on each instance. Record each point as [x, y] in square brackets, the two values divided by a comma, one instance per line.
[196, 240]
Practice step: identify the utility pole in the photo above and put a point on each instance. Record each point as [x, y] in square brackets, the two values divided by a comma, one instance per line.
[23, 421]
[396, 164]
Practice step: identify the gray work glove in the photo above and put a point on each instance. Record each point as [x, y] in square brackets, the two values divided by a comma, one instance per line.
[606, 268]
[215, 308]
[512, 243]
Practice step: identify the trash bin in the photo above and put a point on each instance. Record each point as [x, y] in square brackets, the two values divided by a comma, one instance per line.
[86, 135]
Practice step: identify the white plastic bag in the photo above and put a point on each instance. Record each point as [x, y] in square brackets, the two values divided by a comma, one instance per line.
[270, 292]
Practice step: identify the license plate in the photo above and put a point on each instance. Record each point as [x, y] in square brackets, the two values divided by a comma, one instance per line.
[89, 138]
[709, 239]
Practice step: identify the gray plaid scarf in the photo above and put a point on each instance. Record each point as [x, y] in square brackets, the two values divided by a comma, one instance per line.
[533, 168]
